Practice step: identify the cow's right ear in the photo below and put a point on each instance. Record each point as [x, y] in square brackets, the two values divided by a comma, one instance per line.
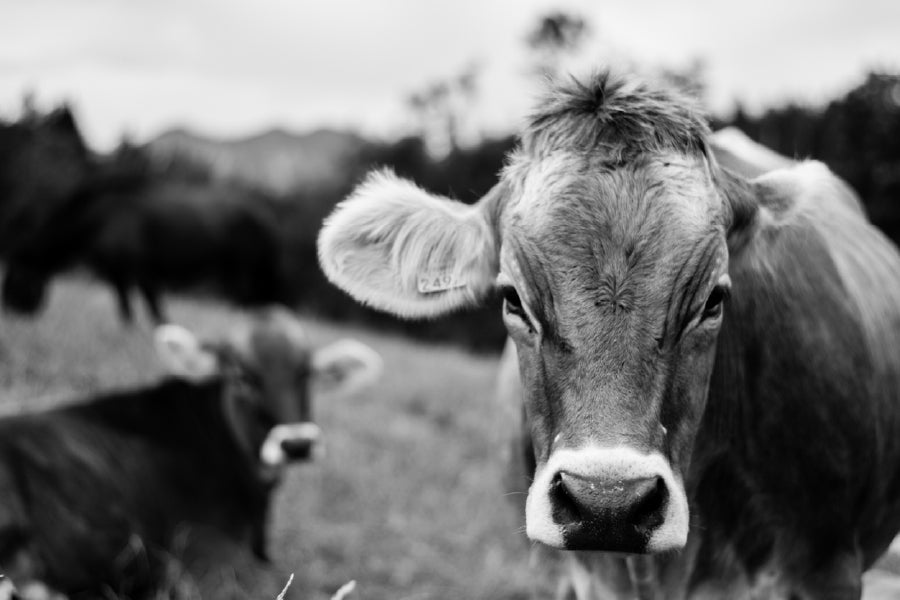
[182, 354]
[396, 247]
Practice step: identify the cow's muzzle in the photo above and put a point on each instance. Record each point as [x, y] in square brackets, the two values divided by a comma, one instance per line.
[289, 442]
[607, 499]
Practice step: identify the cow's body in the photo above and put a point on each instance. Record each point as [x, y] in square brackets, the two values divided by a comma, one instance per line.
[115, 493]
[742, 451]
[95, 493]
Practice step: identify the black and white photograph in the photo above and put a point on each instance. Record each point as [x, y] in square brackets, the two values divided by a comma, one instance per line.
[449, 300]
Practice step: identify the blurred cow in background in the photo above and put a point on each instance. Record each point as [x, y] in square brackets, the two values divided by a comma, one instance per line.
[96, 497]
[135, 231]
[43, 159]
[133, 224]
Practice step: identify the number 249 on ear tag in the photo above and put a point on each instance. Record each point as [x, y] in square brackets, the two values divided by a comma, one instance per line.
[439, 282]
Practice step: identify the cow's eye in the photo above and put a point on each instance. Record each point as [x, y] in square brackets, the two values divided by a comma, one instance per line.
[713, 307]
[512, 303]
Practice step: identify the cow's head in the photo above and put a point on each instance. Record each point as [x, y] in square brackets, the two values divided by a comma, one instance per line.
[268, 371]
[606, 238]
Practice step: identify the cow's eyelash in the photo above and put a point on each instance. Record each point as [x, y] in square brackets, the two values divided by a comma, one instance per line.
[511, 299]
[714, 302]
[512, 305]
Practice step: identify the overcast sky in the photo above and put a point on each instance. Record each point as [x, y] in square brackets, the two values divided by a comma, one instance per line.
[231, 67]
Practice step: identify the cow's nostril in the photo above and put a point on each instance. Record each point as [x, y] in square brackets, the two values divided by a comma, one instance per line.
[297, 449]
[608, 514]
[565, 505]
[648, 511]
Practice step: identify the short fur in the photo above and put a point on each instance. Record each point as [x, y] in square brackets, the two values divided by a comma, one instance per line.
[617, 117]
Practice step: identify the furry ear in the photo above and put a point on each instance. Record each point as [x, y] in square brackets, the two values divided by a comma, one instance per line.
[183, 355]
[346, 365]
[398, 248]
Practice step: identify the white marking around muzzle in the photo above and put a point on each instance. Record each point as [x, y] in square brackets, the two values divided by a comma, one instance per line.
[272, 454]
[615, 464]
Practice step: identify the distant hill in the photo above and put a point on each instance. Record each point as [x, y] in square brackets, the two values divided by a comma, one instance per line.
[276, 160]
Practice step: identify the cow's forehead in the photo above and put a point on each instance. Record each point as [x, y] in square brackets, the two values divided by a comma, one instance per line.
[273, 343]
[574, 228]
[536, 186]
[560, 198]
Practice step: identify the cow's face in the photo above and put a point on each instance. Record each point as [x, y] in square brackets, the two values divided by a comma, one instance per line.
[606, 237]
[613, 282]
[268, 372]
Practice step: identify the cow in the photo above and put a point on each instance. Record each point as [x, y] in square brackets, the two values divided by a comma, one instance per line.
[43, 160]
[708, 362]
[100, 494]
[139, 232]
[135, 225]
[742, 155]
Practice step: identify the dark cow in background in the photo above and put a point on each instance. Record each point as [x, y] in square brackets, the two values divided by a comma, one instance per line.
[708, 363]
[43, 159]
[136, 231]
[97, 497]
[134, 224]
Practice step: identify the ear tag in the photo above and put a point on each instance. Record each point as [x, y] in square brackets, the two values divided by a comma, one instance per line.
[439, 281]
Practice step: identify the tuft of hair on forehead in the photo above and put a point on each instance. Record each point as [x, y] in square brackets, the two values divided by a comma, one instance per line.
[617, 117]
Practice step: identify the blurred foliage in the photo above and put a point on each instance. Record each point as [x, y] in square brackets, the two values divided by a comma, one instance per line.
[556, 35]
[441, 109]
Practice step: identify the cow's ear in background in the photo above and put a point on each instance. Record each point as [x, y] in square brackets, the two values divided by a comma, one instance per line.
[345, 365]
[182, 354]
[396, 247]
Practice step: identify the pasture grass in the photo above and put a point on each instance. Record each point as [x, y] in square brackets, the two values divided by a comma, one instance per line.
[408, 499]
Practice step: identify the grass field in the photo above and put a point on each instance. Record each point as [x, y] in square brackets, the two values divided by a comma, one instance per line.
[409, 498]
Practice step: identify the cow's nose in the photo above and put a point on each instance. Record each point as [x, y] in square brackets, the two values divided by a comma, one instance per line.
[616, 515]
[297, 448]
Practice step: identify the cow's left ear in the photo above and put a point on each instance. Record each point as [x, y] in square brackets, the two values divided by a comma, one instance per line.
[182, 354]
[345, 365]
[396, 247]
